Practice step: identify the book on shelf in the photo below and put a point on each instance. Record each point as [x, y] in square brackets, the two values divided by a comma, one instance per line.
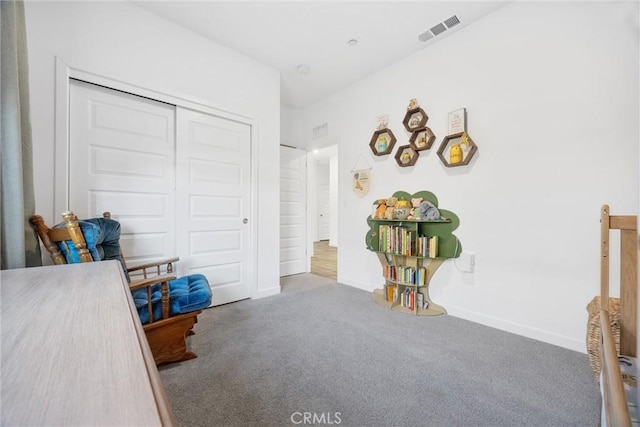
[420, 300]
[391, 292]
[427, 246]
[406, 274]
[421, 278]
[408, 298]
[396, 239]
[433, 246]
[390, 273]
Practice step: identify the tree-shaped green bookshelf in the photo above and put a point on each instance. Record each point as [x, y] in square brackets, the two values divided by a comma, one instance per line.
[411, 251]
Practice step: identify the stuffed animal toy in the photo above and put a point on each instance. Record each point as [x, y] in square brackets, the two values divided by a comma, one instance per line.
[414, 213]
[381, 209]
[428, 211]
[391, 202]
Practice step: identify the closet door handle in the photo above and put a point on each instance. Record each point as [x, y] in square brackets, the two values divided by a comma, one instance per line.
[245, 220]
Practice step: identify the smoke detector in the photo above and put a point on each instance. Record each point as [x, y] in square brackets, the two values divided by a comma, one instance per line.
[303, 69]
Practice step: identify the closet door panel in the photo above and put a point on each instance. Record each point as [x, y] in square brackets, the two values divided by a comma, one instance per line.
[122, 160]
[213, 202]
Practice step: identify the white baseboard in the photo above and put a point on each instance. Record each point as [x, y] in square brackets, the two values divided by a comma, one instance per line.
[263, 293]
[503, 325]
[518, 329]
[356, 284]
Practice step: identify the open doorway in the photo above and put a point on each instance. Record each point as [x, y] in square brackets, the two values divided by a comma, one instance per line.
[323, 211]
[324, 261]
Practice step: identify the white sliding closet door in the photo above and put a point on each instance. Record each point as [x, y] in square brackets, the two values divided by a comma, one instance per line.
[122, 157]
[213, 202]
[179, 182]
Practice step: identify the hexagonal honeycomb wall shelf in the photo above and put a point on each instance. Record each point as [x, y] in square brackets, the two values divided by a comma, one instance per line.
[406, 156]
[457, 150]
[422, 139]
[382, 142]
[415, 119]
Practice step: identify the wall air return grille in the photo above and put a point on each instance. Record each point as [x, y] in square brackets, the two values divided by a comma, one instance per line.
[439, 28]
[321, 131]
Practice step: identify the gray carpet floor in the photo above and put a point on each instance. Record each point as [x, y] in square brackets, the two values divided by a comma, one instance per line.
[325, 353]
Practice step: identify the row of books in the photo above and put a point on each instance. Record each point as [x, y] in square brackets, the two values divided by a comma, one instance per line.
[409, 298]
[396, 239]
[401, 240]
[427, 246]
[404, 274]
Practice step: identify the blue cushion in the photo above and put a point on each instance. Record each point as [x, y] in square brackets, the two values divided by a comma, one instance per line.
[90, 231]
[186, 294]
[103, 241]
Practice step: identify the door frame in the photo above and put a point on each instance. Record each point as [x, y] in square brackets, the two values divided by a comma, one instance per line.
[64, 73]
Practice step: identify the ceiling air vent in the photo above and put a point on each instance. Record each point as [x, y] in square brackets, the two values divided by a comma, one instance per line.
[439, 29]
[425, 36]
[452, 22]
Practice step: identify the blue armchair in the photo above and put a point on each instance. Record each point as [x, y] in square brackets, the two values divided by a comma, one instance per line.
[167, 306]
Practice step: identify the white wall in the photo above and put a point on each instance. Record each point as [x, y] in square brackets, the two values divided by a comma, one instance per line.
[551, 90]
[291, 132]
[123, 42]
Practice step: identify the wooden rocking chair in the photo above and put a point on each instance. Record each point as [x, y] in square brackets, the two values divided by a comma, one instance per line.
[168, 306]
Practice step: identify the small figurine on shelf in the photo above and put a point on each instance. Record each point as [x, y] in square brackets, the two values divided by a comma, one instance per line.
[455, 154]
[383, 122]
[382, 144]
[405, 157]
[464, 142]
[413, 104]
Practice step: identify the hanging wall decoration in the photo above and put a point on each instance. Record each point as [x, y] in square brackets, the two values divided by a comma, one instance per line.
[361, 177]
[382, 140]
[457, 148]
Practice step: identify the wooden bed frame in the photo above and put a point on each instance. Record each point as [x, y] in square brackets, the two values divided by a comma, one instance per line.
[616, 411]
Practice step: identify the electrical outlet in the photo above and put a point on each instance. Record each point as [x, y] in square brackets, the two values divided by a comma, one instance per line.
[467, 262]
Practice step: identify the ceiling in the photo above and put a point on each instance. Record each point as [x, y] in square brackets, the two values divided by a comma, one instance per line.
[316, 34]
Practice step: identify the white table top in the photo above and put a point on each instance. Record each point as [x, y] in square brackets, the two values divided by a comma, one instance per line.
[71, 350]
